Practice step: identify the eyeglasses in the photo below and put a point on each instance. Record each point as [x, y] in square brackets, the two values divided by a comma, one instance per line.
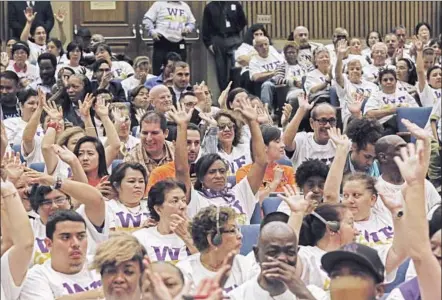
[324, 121]
[229, 126]
[58, 202]
[388, 79]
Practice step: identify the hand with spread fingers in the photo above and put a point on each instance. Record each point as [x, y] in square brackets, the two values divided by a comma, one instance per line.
[355, 106]
[101, 108]
[295, 200]
[29, 14]
[411, 164]
[65, 154]
[140, 112]
[246, 109]
[340, 140]
[286, 112]
[207, 117]
[85, 105]
[179, 115]
[12, 166]
[60, 15]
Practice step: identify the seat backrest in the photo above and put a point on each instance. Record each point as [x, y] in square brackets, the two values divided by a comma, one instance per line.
[250, 234]
[417, 115]
[17, 148]
[40, 167]
[285, 162]
[270, 204]
[256, 216]
[231, 181]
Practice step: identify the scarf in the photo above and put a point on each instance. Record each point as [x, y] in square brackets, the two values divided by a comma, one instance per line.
[226, 193]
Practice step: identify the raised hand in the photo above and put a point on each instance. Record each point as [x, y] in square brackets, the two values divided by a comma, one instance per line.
[12, 165]
[247, 110]
[418, 44]
[278, 172]
[286, 112]
[29, 14]
[179, 115]
[411, 164]
[303, 102]
[207, 117]
[139, 113]
[355, 106]
[105, 188]
[101, 108]
[295, 200]
[106, 79]
[118, 116]
[55, 113]
[342, 48]
[41, 97]
[4, 59]
[64, 153]
[263, 115]
[86, 105]
[60, 15]
[222, 100]
[340, 140]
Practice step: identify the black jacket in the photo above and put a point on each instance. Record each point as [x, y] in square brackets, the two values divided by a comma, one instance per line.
[216, 13]
[115, 88]
[17, 19]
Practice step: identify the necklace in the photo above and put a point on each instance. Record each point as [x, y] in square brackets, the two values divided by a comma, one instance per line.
[207, 266]
[132, 210]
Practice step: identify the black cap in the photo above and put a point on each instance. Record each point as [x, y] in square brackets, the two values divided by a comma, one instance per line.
[358, 253]
[20, 45]
[83, 31]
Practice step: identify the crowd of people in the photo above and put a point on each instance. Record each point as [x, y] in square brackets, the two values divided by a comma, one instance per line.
[121, 178]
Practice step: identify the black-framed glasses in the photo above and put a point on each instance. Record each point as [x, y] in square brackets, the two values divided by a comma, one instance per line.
[324, 121]
[57, 201]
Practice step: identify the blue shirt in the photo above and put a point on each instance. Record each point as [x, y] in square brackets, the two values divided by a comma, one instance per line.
[157, 80]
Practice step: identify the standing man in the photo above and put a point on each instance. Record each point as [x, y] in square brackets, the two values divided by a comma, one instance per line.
[17, 19]
[223, 22]
[305, 54]
[168, 23]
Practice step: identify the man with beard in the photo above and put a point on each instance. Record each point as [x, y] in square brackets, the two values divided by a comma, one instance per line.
[180, 80]
[276, 254]
[8, 91]
[66, 272]
[47, 64]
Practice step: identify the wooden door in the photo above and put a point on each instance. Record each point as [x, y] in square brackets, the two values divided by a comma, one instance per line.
[117, 21]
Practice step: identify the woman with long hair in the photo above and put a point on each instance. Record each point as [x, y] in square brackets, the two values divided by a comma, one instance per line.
[406, 75]
[372, 38]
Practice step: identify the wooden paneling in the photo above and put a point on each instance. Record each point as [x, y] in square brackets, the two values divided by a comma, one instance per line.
[114, 16]
[358, 17]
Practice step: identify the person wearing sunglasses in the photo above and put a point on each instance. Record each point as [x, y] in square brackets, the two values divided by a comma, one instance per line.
[382, 105]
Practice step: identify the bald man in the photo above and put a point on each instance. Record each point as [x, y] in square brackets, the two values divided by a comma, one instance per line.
[263, 67]
[305, 55]
[391, 180]
[161, 98]
[276, 253]
[311, 145]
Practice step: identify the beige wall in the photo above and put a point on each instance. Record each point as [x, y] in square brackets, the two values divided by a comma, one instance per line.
[67, 24]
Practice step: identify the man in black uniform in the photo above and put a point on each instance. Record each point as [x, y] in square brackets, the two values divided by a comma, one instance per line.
[223, 22]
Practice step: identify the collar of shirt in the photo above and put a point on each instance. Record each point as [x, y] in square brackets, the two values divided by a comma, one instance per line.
[17, 69]
[168, 156]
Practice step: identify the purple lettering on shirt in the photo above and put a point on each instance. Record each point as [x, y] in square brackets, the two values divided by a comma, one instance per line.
[236, 204]
[41, 245]
[174, 11]
[128, 219]
[230, 288]
[161, 254]
[76, 288]
[240, 161]
[387, 231]
[374, 236]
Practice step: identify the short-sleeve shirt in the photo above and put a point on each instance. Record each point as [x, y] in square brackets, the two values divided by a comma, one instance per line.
[288, 176]
[307, 148]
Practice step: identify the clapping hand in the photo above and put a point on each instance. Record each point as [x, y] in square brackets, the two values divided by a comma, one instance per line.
[222, 100]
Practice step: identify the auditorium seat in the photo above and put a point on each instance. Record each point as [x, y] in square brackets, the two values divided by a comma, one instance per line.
[250, 234]
[40, 167]
[270, 204]
[417, 115]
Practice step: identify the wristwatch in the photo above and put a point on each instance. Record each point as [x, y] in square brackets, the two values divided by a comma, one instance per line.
[58, 183]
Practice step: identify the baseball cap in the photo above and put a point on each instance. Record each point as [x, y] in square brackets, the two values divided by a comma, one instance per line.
[358, 253]
[141, 59]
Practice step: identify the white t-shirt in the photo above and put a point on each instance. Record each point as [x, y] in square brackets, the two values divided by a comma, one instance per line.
[32, 73]
[252, 290]
[259, 64]
[307, 148]
[313, 78]
[130, 143]
[432, 197]
[377, 230]
[435, 115]
[371, 72]
[35, 156]
[14, 130]
[123, 218]
[121, 69]
[159, 247]
[9, 291]
[381, 100]
[130, 83]
[429, 96]
[347, 94]
[244, 202]
[194, 271]
[360, 58]
[41, 252]
[305, 57]
[35, 51]
[170, 18]
[43, 282]
[244, 49]
[240, 156]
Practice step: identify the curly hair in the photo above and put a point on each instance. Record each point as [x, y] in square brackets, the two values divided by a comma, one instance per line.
[364, 131]
[310, 168]
[238, 125]
[204, 223]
